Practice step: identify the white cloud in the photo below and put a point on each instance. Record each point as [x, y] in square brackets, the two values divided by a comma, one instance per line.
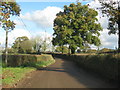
[21, 32]
[2, 38]
[43, 18]
[108, 41]
[44, 35]
[12, 36]
[102, 20]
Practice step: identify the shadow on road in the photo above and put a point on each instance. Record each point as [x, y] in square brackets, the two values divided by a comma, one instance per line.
[81, 76]
[53, 69]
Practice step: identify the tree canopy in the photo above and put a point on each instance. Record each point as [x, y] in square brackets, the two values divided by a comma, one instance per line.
[63, 49]
[76, 26]
[8, 9]
[39, 43]
[22, 44]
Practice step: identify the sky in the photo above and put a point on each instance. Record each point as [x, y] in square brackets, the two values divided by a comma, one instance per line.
[37, 17]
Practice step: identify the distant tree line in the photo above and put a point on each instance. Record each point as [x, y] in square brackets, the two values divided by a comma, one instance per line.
[25, 45]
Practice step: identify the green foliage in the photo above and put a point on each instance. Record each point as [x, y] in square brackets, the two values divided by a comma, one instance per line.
[40, 64]
[19, 60]
[27, 60]
[22, 45]
[18, 41]
[26, 46]
[10, 50]
[19, 65]
[92, 51]
[42, 61]
[8, 9]
[3, 65]
[11, 76]
[75, 26]
[63, 49]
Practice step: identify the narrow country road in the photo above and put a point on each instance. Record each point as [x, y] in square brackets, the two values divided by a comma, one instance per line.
[62, 74]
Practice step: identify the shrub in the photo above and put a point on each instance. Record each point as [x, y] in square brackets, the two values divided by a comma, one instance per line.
[27, 60]
[10, 50]
[19, 60]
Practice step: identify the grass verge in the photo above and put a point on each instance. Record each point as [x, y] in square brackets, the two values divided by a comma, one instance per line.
[12, 75]
[44, 61]
[40, 64]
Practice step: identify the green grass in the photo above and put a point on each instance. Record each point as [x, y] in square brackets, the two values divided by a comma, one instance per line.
[0, 75]
[44, 60]
[10, 75]
[40, 64]
[44, 57]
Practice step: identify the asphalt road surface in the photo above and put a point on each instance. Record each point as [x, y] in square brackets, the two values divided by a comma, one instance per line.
[63, 74]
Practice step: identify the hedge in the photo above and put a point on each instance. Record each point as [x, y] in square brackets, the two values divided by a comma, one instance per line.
[44, 61]
[107, 66]
[26, 60]
[19, 60]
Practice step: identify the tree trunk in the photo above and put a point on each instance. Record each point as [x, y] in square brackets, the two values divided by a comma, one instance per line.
[69, 50]
[119, 38]
[6, 48]
[72, 50]
[62, 49]
[119, 29]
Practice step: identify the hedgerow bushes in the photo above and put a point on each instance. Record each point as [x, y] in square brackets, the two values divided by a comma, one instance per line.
[19, 60]
[44, 61]
[105, 65]
[28, 60]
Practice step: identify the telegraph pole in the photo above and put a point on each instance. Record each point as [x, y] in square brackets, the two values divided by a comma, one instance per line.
[6, 47]
[45, 42]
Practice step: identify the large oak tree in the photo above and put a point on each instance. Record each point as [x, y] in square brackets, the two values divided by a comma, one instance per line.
[76, 26]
